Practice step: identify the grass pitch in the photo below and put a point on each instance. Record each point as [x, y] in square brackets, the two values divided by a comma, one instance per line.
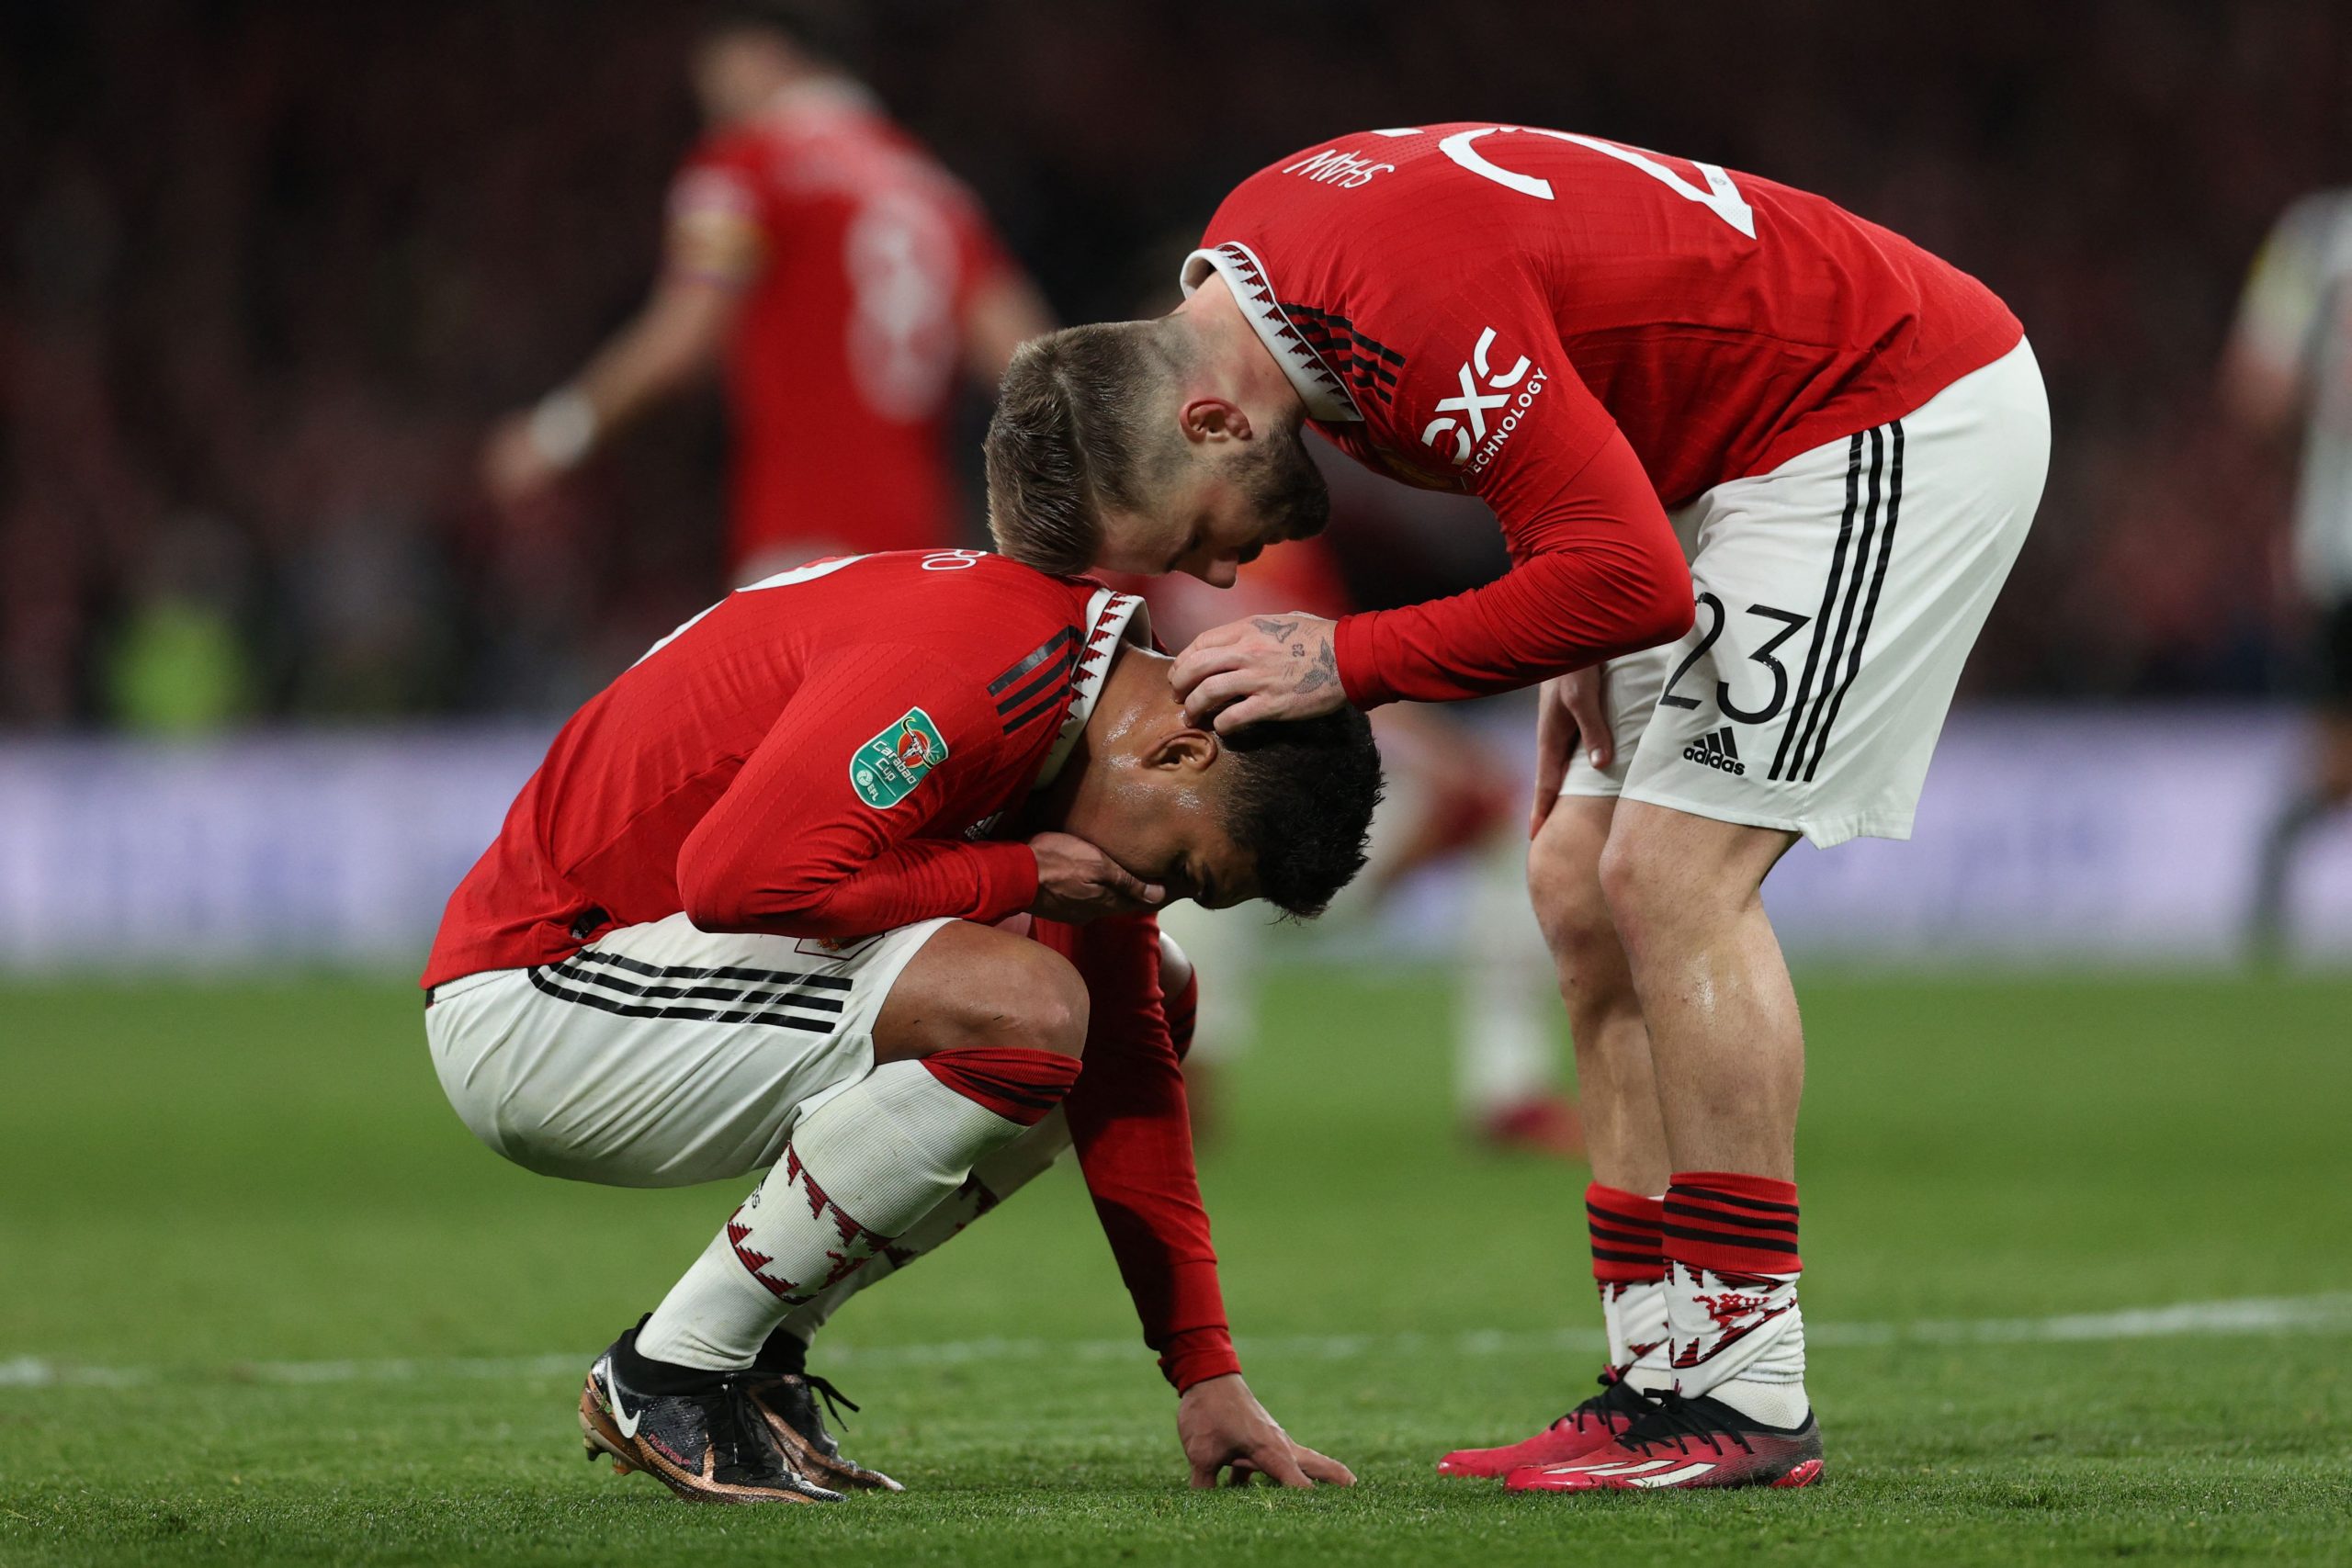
[262, 1300]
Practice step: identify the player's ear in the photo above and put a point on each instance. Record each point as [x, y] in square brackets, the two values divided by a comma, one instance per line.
[1208, 419]
[1189, 750]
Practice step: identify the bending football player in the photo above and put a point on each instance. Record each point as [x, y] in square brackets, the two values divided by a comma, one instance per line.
[743, 916]
[1675, 385]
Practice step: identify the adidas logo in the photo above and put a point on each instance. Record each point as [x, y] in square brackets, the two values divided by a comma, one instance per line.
[1715, 749]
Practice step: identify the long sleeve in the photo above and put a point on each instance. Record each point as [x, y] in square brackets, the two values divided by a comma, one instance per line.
[1489, 394]
[1597, 573]
[1133, 1136]
[825, 830]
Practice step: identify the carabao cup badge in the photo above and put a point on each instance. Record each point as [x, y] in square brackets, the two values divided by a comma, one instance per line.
[886, 770]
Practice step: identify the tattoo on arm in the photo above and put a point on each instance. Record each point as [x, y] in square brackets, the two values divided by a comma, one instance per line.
[1325, 672]
[1279, 630]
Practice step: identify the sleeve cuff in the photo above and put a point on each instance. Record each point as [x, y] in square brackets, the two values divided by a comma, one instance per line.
[1008, 879]
[1351, 646]
[1197, 1354]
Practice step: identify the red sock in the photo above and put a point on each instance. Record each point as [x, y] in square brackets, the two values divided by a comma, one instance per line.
[1731, 1223]
[1015, 1082]
[1183, 1011]
[1625, 1243]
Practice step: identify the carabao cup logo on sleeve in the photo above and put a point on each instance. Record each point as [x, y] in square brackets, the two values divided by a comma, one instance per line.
[1491, 403]
[886, 770]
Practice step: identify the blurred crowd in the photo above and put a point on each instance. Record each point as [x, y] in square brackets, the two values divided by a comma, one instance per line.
[267, 269]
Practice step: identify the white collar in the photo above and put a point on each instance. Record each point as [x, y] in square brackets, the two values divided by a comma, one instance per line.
[1319, 387]
[1112, 619]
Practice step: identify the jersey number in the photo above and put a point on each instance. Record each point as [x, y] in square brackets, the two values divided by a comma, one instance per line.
[1721, 197]
[1791, 622]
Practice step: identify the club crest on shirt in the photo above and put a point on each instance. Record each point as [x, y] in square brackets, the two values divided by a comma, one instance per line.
[886, 770]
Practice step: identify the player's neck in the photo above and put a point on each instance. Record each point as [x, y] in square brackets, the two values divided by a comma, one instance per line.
[1230, 358]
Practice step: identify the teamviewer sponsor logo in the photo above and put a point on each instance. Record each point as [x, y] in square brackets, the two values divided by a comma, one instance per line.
[1484, 390]
[1717, 750]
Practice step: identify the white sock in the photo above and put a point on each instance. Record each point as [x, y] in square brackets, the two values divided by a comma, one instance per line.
[1634, 1317]
[997, 1176]
[1739, 1339]
[855, 1174]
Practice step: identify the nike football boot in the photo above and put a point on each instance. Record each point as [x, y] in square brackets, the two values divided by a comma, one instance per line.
[789, 1402]
[712, 1444]
[1586, 1428]
[1687, 1442]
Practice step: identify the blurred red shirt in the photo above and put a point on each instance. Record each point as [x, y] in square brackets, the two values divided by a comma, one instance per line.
[857, 256]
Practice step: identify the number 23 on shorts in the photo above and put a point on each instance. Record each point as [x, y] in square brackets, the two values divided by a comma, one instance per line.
[1712, 609]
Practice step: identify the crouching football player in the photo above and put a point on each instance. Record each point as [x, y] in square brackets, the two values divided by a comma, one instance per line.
[742, 917]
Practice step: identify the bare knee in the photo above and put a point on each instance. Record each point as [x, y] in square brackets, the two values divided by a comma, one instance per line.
[1664, 870]
[972, 987]
[1175, 966]
[1564, 884]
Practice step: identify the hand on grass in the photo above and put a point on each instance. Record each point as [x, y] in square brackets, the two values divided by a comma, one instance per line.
[1223, 1427]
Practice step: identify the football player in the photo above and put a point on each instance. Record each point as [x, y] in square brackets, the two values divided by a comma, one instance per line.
[2289, 363]
[1762, 467]
[843, 277]
[742, 917]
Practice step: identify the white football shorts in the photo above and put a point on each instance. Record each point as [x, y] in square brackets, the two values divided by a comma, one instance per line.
[1838, 596]
[661, 1054]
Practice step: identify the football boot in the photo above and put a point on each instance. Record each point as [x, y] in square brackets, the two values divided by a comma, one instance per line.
[1687, 1441]
[789, 1402]
[710, 1442]
[1589, 1425]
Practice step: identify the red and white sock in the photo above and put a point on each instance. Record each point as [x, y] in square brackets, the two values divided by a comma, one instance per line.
[857, 1173]
[996, 1175]
[1731, 1291]
[1629, 1267]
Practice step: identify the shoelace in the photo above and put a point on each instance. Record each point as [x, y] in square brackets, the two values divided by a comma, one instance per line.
[1580, 1417]
[733, 1423]
[835, 1400]
[1677, 1420]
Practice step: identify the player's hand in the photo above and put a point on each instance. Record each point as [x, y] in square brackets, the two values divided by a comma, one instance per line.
[1572, 711]
[516, 470]
[1076, 882]
[1266, 666]
[1223, 1427]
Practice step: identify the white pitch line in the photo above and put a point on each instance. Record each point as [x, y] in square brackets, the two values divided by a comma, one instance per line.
[2318, 1314]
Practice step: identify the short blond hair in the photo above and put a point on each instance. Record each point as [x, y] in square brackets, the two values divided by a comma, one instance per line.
[1082, 426]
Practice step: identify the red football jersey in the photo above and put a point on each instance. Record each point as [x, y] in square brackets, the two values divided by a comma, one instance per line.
[816, 756]
[858, 256]
[804, 758]
[1581, 334]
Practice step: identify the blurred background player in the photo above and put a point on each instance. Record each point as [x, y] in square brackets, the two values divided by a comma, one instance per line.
[2289, 361]
[1452, 797]
[842, 277]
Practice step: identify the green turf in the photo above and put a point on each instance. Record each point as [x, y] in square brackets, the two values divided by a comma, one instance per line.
[203, 1181]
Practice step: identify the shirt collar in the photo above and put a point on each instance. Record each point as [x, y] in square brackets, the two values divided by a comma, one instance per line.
[1319, 387]
[1112, 619]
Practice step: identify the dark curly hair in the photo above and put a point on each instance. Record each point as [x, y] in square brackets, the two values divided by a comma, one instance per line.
[1301, 801]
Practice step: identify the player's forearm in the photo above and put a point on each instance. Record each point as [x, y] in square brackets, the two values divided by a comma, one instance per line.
[1553, 613]
[1133, 1136]
[673, 342]
[1169, 1269]
[724, 886]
